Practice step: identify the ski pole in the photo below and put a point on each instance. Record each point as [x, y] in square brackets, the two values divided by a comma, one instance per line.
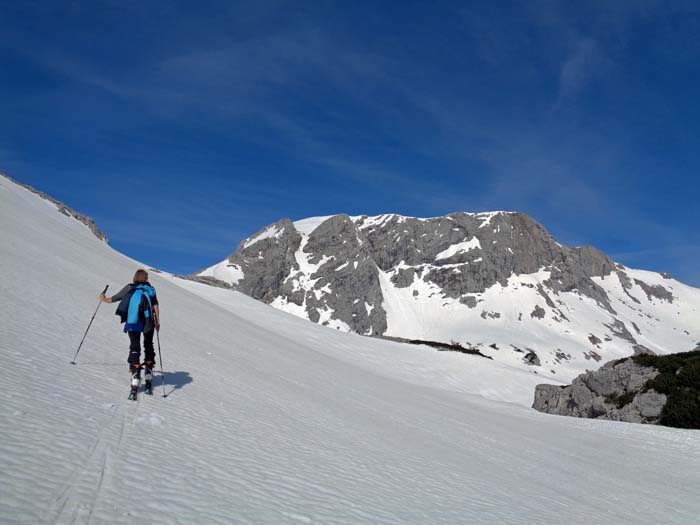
[88, 328]
[160, 357]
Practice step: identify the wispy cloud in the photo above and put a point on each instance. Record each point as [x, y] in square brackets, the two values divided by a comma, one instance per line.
[585, 62]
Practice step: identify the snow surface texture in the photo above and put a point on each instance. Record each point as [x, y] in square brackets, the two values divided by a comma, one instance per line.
[494, 281]
[271, 419]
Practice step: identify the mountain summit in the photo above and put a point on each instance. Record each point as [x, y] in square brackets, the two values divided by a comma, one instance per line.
[496, 281]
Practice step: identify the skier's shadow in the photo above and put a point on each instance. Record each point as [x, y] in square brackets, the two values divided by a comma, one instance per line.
[175, 380]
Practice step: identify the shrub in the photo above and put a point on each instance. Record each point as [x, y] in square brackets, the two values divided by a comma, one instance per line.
[679, 379]
[621, 400]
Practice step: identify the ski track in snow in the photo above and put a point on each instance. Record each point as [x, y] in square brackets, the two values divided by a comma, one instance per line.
[271, 419]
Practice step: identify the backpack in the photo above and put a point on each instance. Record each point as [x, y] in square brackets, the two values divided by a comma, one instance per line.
[136, 307]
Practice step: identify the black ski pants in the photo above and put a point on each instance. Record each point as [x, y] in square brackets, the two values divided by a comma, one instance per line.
[135, 347]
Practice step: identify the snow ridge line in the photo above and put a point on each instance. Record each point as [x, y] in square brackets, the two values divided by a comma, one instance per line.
[62, 208]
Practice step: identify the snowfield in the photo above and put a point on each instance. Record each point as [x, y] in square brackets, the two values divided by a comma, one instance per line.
[273, 419]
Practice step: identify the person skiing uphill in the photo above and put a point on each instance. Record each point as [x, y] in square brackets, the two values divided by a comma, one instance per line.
[139, 311]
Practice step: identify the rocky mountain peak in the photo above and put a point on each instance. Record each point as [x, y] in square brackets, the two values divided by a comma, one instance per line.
[490, 280]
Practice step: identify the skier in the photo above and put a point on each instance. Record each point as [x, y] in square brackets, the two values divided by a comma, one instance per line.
[140, 313]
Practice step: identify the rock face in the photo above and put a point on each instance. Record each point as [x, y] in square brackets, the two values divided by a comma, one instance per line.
[491, 281]
[614, 392]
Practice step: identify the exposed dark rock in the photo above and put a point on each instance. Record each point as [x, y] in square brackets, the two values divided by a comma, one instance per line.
[403, 277]
[627, 285]
[574, 272]
[339, 238]
[619, 329]
[562, 316]
[277, 254]
[594, 340]
[561, 356]
[625, 281]
[592, 355]
[469, 301]
[206, 280]
[269, 264]
[657, 291]
[538, 312]
[451, 347]
[545, 295]
[531, 358]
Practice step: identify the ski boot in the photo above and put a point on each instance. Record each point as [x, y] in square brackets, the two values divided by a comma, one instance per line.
[148, 376]
[135, 381]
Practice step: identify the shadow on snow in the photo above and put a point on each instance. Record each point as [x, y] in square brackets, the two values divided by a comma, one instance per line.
[176, 380]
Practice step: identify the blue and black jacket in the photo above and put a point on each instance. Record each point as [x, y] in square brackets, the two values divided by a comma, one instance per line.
[136, 302]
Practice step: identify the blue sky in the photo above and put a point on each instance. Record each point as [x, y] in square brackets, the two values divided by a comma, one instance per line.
[184, 127]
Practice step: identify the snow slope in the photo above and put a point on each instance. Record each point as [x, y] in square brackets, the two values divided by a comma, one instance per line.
[565, 349]
[271, 419]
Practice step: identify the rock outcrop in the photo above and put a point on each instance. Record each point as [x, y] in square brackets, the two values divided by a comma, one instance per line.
[615, 391]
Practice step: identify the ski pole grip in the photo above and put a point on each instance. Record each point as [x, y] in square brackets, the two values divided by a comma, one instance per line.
[105, 290]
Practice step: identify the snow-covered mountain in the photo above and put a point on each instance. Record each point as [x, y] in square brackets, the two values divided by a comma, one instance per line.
[272, 419]
[495, 281]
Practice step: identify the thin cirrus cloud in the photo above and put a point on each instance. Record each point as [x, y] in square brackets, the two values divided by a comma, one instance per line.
[582, 66]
